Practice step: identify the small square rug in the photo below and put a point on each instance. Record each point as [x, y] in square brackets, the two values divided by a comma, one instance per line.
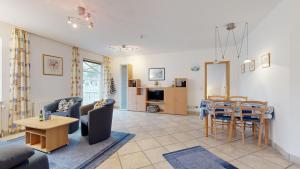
[196, 158]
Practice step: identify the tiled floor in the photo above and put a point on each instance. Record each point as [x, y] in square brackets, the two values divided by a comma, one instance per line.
[157, 134]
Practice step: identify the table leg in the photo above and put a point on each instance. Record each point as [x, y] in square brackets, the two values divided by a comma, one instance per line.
[267, 126]
[206, 125]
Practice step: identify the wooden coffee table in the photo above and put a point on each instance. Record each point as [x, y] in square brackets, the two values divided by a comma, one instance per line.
[47, 135]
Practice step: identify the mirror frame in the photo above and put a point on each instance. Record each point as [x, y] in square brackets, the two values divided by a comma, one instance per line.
[227, 63]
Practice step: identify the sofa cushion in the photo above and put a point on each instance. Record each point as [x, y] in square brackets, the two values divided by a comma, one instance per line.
[64, 105]
[65, 114]
[100, 104]
[84, 119]
[14, 154]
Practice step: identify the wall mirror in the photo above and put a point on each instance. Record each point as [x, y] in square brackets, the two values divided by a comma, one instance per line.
[217, 79]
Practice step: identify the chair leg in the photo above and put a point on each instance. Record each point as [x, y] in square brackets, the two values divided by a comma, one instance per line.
[215, 128]
[84, 130]
[211, 125]
[230, 131]
[259, 135]
[254, 129]
[243, 131]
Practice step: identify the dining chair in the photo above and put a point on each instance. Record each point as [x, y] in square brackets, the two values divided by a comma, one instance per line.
[216, 97]
[251, 115]
[238, 98]
[222, 114]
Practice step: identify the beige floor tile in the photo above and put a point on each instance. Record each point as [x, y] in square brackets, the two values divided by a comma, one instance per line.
[273, 156]
[258, 162]
[195, 142]
[148, 144]
[131, 147]
[240, 165]
[156, 155]
[294, 167]
[141, 136]
[163, 165]
[220, 154]
[157, 133]
[134, 161]
[148, 167]
[232, 151]
[111, 163]
[166, 140]
[175, 147]
[183, 137]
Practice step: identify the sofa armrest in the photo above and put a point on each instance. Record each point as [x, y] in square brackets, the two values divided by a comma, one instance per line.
[74, 110]
[52, 107]
[12, 155]
[84, 110]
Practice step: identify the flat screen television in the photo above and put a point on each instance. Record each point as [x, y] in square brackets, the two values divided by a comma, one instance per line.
[156, 95]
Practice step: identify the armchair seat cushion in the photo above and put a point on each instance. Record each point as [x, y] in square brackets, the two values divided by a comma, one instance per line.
[65, 114]
[84, 119]
[12, 155]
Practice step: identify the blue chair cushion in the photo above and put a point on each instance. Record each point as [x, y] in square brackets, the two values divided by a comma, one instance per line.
[65, 114]
[223, 117]
[84, 119]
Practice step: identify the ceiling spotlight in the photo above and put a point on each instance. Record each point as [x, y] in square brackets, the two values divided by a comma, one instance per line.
[88, 17]
[74, 25]
[91, 25]
[69, 20]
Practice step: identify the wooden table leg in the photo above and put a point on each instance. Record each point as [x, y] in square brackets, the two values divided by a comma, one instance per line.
[267, 126]
[206, 125]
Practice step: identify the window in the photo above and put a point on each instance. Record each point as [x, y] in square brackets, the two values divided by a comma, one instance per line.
[92, 82]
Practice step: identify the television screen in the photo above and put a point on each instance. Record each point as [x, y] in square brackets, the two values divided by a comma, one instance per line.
[155, 95]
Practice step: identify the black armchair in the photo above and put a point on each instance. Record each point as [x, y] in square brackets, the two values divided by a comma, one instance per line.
[73, 111]
[96, 123]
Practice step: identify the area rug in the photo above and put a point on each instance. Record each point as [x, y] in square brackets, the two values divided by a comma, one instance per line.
[80, 155]
[196, 158]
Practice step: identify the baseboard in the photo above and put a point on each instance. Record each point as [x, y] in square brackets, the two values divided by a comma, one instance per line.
[285, 154]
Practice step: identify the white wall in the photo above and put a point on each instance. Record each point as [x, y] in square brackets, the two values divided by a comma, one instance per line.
[43, 88]
[176, 65]
[279, 84]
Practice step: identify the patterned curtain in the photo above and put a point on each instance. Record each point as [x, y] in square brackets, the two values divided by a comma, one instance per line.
[76, 86]
[19, 78]
[107, 77]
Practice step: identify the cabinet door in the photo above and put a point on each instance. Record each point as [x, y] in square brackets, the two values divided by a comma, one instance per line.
[141, 103]
[169, 100]
[132, 98]
[181, 100]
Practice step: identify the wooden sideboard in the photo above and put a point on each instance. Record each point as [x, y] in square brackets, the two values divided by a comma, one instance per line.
[174, 98]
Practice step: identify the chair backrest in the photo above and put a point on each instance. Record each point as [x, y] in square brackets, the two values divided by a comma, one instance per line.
[238, 98]
[216, 97]
[223, 107]
[252, 108]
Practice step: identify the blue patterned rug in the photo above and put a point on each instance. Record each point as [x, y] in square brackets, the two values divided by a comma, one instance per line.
[79, 154]
[196, 158]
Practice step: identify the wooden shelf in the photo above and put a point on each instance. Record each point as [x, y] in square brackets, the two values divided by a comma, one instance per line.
[155, 102]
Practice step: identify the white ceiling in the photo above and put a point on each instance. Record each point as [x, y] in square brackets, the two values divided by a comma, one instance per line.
[167, 25]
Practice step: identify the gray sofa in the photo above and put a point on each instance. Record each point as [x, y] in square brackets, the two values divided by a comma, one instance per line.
[18, 156]
[74, 111]
[96, 123]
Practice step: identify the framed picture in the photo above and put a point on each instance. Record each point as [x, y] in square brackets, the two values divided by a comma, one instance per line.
[243, 69]
[266, 60]
[52, 65]
[156, 74]
[252, 65]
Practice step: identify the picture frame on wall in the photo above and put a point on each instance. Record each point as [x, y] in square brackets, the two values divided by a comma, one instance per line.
[243, 68]
[156, 74]
[252, 66]
[52, 65]
[266, 60]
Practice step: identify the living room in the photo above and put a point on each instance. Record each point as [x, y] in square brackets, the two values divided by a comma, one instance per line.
[149, 85]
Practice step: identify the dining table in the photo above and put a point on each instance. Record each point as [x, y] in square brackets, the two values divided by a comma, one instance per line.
[268, 115]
